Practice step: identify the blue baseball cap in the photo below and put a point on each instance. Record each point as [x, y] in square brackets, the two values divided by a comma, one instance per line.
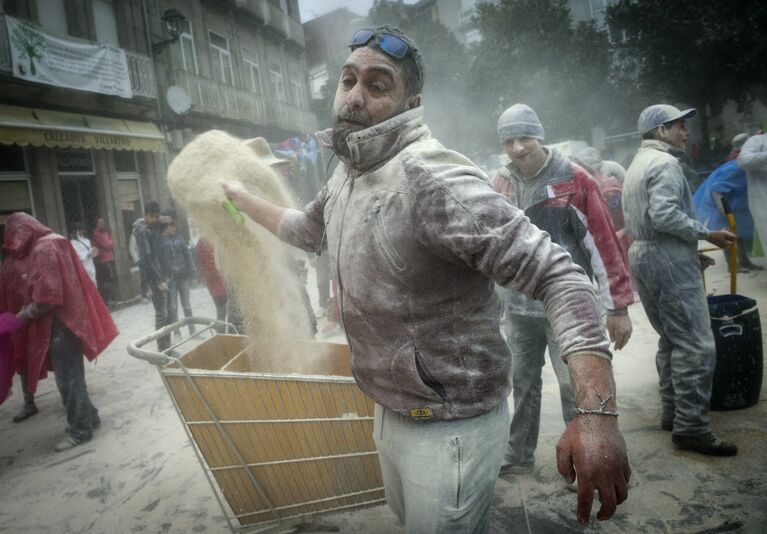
[654, 116]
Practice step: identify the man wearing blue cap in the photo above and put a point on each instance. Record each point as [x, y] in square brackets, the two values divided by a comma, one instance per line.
[659, 214]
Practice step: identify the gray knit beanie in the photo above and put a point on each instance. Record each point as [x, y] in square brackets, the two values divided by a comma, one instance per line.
[519, 121]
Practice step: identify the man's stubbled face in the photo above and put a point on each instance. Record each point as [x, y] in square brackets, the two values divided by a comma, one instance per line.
[371, 90]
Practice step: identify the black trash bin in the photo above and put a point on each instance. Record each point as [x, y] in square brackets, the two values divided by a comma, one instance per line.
[739, 355]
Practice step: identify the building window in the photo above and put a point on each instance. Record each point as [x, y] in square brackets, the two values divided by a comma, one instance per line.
[297, 90]
[125, 161]
[15, 195]
[276, 81]
[318, 77]
[12, 159]
[186, 45]
[15, 187]
[221, 58]
[252, 71]
[106, 22]
[52, 16]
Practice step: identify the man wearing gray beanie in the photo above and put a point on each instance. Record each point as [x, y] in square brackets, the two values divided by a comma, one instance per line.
[564, 200]
[666, 267]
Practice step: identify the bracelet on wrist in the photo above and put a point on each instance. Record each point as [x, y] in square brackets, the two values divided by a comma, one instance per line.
[581, 411]
[601, 410]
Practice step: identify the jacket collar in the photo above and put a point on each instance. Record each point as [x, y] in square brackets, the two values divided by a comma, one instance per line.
[654, 144]
[546, 164]
[531, 191]
[381, 142]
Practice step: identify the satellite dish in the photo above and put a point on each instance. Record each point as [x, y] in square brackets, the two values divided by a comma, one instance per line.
[178, 100]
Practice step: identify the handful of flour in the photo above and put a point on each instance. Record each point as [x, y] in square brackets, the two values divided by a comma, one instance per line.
[253, 261]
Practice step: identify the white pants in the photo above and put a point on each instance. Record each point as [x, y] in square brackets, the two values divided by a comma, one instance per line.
[439, 476]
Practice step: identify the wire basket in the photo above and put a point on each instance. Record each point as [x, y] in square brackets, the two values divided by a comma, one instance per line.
[276, 445]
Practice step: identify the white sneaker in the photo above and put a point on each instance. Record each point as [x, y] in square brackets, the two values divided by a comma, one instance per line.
[67, 443]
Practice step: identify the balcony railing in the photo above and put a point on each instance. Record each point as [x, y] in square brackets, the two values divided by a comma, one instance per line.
[276, 19]
[139, 66]
[141, 75]
[254, 7]
[220, 100]
[296, 32]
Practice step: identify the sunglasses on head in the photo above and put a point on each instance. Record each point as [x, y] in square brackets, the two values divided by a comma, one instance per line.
[388, 42]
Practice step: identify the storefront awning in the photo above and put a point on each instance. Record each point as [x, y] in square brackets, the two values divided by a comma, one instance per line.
[42, 127]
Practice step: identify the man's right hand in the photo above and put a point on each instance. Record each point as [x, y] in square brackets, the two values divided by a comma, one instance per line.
[705, 261]
[236, 191]
[262, 211]
[721, 238]
[162, 286]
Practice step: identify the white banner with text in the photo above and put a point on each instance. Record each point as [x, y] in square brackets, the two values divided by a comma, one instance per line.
[43, 58]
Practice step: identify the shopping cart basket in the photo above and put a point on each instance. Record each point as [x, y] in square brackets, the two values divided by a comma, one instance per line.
[278, 441]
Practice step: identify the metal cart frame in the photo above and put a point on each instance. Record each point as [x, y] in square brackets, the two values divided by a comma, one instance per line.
[319, 409]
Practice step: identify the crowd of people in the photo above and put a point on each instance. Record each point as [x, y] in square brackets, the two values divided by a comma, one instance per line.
[425, 251]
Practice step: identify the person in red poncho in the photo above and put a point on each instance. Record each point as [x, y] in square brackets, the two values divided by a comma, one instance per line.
[43, 283]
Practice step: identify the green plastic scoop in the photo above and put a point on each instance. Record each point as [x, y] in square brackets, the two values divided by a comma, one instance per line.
[234, 212]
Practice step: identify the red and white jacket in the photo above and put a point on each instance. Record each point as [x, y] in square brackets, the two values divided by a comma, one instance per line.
[565, 201]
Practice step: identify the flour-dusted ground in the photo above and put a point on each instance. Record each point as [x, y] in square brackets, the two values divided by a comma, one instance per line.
[140, 474]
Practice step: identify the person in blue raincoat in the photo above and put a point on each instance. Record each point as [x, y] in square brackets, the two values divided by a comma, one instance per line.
[728, 181]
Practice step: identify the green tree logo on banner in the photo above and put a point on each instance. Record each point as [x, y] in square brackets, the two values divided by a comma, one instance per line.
[30, 44]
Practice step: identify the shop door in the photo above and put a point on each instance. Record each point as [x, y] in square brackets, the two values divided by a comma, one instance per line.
[78, 194]
[78, 186]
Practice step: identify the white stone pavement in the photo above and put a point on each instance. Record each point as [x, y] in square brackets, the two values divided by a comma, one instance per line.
[140, 474]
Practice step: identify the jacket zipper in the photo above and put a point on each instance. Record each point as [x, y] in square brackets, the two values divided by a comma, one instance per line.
[338, 264]
[430, 381]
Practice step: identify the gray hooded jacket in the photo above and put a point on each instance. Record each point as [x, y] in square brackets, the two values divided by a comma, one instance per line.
[416, 236]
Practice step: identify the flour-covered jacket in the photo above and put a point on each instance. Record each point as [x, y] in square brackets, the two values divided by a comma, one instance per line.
[565, 201]
[415, 237]
[753, 160]
[657, 202]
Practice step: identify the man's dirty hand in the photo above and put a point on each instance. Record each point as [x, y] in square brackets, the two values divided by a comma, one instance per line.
[593, 447]
[619, 328]
[705, 261]
[721, 238]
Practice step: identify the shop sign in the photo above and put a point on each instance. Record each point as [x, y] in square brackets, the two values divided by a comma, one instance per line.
[43, 58]
[74, 161]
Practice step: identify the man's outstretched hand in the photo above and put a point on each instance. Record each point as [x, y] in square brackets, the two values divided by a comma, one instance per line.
[593, 447]
[236, 191]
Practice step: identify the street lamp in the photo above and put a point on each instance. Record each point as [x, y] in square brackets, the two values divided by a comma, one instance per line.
[174, 26]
